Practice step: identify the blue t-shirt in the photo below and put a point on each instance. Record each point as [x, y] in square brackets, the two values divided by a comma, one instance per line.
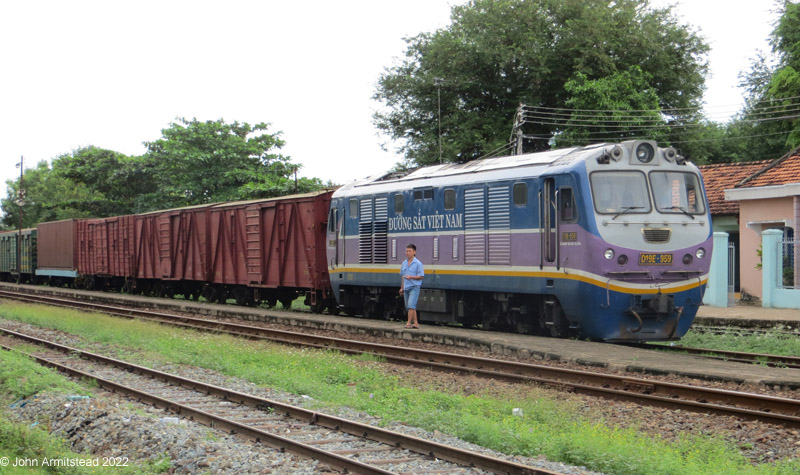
[414, 269]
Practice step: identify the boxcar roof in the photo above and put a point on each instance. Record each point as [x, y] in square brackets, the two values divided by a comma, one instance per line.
[311, 194]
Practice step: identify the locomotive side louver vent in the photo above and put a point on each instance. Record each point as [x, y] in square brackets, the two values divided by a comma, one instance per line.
[380, 237]
[373, 231]
[365, 232]
[656, 235]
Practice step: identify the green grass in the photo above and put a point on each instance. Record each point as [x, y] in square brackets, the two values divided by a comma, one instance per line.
[769, 343]
[21, 377]
[548, 427]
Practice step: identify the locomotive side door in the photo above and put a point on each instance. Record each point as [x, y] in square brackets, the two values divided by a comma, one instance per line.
[557, 208]
[548, 223]
[336, 235]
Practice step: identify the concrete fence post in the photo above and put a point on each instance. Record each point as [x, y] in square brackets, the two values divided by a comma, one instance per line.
[771, 266]
[717, 289]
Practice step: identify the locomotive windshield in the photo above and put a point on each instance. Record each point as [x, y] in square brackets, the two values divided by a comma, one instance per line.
[620, 192]
[677, 192]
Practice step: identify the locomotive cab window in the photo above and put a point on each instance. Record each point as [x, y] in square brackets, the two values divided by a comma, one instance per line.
[450, 199]
[423, 194]
[620, 192]
[566, 205]
[520, 194]
[399, 203]
[677, 192]
[354, 208]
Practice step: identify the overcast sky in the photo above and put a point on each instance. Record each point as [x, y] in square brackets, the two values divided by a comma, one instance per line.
[113, 74]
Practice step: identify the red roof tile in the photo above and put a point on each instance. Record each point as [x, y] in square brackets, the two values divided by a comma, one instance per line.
[724, 176]
[781, 171]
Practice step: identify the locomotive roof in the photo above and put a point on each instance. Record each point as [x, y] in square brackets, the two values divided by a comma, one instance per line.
[497, 167]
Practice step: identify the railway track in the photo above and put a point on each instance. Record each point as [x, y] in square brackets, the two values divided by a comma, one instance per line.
[348, 446]
[778, 361]
[763, 408]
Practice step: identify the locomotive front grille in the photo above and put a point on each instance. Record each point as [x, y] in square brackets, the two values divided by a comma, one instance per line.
[656, 235]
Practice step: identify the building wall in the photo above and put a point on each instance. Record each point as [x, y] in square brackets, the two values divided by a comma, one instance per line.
[725, 224]
[756, 216]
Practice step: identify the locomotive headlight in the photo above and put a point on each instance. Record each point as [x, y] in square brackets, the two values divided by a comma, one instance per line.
[622, 260]
[687, 259]
[609, 254]
[645, 152]
[701, 253]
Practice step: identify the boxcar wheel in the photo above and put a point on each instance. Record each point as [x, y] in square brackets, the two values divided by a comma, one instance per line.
[127, 287]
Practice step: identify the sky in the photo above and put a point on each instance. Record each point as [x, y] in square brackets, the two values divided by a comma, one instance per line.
[113, 74]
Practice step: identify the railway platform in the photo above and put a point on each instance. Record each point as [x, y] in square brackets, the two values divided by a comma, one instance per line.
[748, 315]
[615, 357]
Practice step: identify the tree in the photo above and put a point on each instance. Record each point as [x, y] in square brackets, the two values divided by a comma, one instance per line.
[498, 54]
[48, 196]
[205, 162]
[120, 184]
[623, 106]
[769, 125]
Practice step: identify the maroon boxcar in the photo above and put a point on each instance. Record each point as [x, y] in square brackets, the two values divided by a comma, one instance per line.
[171, 251]
[57, 243]
[270, 250]
[106, 251]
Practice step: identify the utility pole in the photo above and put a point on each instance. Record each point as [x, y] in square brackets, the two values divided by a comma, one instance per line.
[20, 202]
[438, 83]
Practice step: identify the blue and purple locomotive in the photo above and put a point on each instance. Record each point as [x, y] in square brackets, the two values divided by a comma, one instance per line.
[607, 242]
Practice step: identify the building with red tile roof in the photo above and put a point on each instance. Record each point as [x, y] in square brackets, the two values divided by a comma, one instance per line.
[722, 176]
[768, 197]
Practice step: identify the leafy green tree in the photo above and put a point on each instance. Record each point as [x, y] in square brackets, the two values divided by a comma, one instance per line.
[497, 54]
[47, 196]
[617, 107]
[769, 125]
[205, 162]
[120, 184]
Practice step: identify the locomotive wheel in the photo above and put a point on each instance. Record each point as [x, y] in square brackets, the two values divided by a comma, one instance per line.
[372, 310]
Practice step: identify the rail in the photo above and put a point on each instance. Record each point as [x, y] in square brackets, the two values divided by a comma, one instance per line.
[641, 391]
[393, 441]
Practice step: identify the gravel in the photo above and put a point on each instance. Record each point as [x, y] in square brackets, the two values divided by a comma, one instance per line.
[111, 426]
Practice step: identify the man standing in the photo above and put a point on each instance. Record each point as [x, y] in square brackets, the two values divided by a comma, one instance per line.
[411, 273]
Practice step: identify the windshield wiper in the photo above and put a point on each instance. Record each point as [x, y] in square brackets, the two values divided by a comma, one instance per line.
[625, 210]
[679, 208]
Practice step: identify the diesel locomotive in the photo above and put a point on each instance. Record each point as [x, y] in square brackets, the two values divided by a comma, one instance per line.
[607, 242]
